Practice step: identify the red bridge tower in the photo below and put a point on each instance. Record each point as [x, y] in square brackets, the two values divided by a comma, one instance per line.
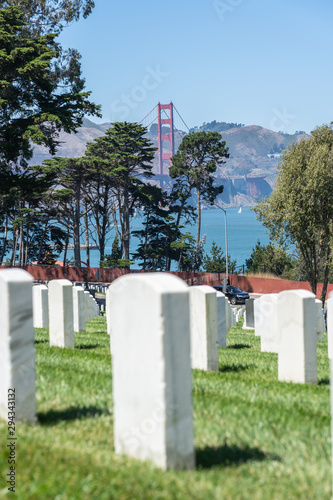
[167, 111]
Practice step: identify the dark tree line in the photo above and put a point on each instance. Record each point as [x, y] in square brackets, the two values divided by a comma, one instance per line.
[73, 199]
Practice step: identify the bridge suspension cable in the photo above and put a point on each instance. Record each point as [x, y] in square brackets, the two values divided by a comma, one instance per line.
[178, 114]
[150, 118]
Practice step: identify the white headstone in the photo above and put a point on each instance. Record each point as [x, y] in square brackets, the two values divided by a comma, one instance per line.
[203, 314]
[151, 369]
[221, 320]
[329, 320]
[108, 311]
[40, 303]
[228, 315]
[297, 360]
[233, 316]
[249, 314]
[330, 325]
[87, 309]
[79, 322]
[320, 320]
[61, 329]
[17, 348]
[269, 331]
[256, 310]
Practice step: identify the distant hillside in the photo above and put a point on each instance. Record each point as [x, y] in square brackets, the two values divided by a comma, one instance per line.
[254, 152]
[217, 126]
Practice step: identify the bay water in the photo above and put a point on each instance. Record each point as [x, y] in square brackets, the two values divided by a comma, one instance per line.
[243, 232]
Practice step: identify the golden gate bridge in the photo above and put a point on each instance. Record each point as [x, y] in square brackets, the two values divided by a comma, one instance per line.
[169, 121]
[166, 116]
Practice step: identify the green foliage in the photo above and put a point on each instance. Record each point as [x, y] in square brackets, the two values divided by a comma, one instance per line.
[300, 208]
[270, 258]
[124, 263]
[35, 102]
[216, 262]
[28, 218]
[154, 247]
[124, 154]
[215, 126]
[64, 195]
[113, 259]
[159, 231]
[44, 16]
[194, 164]
[189, 253]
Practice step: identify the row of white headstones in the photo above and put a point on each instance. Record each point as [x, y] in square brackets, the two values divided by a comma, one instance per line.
[160, 329]
[267, 315]
[60, 307]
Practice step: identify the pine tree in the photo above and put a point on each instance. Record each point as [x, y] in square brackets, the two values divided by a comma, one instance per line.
[124, 154]
[34, 106]
[216, 261]
[194, 164]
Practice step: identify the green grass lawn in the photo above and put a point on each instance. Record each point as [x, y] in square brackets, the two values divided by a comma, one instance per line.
[255, 438]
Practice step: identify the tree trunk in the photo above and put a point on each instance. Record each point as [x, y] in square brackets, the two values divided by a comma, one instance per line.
[26, 250]
[4, 248]
[86, 224]
[180, 258]
[77, 250]
[311, 270]
[105, 220]
[199, 217]
[326, 276]
[21, 246]
[125, 225]
[40, 251]
[13, 259]
[65, 250]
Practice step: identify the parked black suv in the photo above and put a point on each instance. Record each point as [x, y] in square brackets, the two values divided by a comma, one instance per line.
[234, 294]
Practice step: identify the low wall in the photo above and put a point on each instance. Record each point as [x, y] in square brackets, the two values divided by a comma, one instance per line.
[103, 275]
[271, 285]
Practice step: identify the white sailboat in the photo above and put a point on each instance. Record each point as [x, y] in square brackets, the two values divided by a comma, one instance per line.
[240, 210]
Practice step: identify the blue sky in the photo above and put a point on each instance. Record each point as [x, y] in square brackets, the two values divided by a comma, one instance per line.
[257, 62]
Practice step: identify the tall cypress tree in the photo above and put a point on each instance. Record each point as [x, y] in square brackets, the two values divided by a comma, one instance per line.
[36, 99]
[125, 156]
[193, 167]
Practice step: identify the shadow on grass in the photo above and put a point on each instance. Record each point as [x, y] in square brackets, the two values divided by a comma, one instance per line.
[88, 346]
[72, 413]
[208, 457]
[98, 332]
[41, 341]
[234, 368]
[239, 346]
[324, 381]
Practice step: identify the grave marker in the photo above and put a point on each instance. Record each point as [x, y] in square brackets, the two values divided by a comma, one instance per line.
[221, 320]
[297, 361]
[79, 322]
[249, 314]
[17, 348]
[257, 319]
[203, 314]
[320, 320]
[40, 302]
[330, 325]
[151, 367]
[269, 330]
[61, 313]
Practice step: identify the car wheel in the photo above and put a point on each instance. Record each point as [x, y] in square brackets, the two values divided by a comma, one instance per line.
[233, 301]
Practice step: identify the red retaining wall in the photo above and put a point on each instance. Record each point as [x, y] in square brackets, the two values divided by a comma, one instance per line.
[102, 275]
